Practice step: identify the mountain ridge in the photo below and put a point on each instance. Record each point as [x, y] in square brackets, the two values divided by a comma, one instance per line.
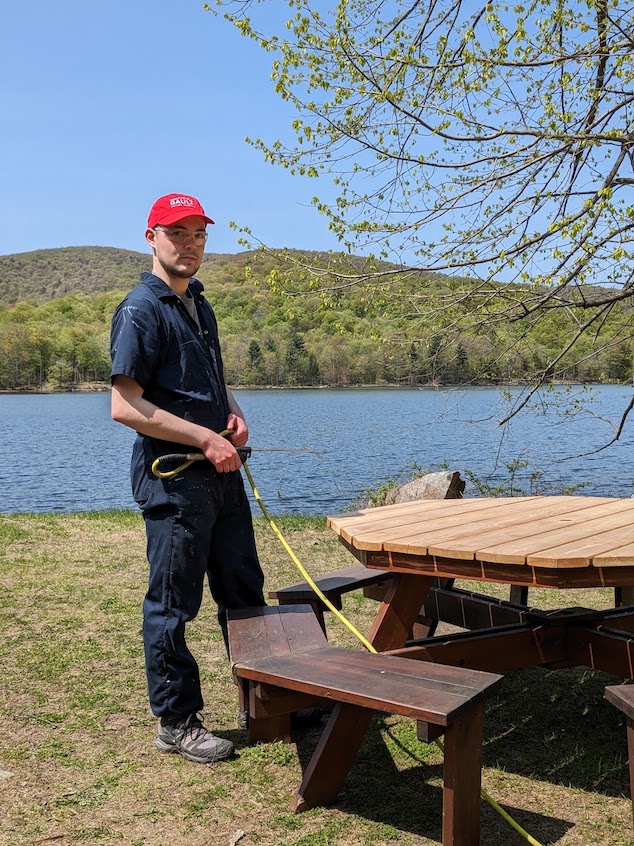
[39, 276]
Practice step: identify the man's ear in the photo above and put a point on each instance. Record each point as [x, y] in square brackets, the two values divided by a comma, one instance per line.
[150, 237]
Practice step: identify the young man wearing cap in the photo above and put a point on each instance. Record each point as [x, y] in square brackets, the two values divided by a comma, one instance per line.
[168, 385]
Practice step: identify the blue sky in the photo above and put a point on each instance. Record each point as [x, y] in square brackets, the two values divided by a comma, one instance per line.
[108, 105]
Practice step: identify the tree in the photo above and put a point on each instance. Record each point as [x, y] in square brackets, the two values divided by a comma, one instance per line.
[296, 359]
[490, 140]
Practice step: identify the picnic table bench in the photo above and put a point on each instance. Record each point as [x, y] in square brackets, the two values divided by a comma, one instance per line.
[444, 601]
[622, 697]
[334, 586]
[281, 660]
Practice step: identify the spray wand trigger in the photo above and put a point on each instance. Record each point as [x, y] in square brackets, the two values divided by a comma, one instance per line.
[244, 453]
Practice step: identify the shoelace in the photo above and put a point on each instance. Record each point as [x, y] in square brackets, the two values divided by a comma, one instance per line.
[193, 725]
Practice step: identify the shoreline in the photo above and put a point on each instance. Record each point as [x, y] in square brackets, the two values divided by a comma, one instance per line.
[103, 387]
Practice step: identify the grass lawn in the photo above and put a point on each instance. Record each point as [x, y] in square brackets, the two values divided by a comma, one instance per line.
[78, 764]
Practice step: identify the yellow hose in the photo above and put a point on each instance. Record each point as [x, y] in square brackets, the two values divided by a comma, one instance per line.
[509, 819]
[198, 457]
[189, 459]
[167, 474]
[300, 567]
[513, 823]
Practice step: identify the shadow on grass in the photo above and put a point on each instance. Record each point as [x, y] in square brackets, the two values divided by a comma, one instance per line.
[410, 800]
[550, 726]
[555, 726]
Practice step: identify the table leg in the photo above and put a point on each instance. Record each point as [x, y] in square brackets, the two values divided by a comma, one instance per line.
[462, 780]
[624, 596]
[426, 624]
[399, 610]
[519, 594]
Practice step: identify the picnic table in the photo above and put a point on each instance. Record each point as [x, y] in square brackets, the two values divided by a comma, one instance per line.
[556, 542]
[553, 542]
[417, 551]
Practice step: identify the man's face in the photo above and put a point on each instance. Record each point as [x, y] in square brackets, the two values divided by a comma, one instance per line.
[179, 248]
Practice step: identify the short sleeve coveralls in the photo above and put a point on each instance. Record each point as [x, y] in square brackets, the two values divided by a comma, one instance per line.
[198, 523]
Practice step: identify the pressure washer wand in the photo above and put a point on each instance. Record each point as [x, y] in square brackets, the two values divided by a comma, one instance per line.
[187, 458]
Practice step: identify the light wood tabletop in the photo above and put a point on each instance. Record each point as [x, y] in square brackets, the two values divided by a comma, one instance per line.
[555, 541]
[549, 541]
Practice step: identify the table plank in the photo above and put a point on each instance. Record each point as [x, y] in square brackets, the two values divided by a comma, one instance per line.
[620, 556]
[560, 533]
[460, 522]
[427, 520]
[598, 549]
[366, 529]
[510, 539]
[560, 543]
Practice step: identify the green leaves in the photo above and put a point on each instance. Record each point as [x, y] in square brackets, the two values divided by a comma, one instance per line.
[504, 113]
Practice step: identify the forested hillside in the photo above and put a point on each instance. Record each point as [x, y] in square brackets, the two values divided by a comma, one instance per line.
[56, 305]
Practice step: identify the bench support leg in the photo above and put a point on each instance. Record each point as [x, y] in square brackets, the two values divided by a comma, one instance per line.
[266, 729]
[338, 746]
[332, 758]
[462, 780]
[270, 729]
[630, 751]
[346, 728]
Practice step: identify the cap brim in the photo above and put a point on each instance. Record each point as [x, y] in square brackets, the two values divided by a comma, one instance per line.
[169, 219]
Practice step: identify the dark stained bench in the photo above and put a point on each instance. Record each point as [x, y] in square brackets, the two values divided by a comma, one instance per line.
[373, 583]
[334, 585]
[464, 609]
[256, 633]
[281, 660]
[622, 697]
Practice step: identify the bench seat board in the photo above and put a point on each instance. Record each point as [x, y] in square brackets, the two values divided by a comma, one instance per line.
[622, 697]
[256, 633]
[435, 693]
[341, 581]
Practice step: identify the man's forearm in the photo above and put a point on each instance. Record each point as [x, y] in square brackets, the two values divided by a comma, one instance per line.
[130, 408]
[145, 417]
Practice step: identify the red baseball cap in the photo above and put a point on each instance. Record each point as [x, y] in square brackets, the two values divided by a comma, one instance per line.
[174, 207]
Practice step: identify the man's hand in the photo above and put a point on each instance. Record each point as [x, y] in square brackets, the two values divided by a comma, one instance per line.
[222, 453]
[240, 430]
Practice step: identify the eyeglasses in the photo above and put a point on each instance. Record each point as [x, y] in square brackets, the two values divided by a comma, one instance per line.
[181, 236]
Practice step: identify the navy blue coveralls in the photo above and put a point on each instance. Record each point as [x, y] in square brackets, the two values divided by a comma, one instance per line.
[198, 523]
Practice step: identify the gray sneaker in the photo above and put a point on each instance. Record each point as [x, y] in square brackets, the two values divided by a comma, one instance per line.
[189, 737]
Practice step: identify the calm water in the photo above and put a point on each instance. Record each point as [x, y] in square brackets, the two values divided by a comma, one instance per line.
[62, 452]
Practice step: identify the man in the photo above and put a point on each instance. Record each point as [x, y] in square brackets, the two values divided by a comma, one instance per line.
[168, 385]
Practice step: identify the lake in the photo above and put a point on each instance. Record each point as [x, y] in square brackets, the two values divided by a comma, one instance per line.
[63, 453]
